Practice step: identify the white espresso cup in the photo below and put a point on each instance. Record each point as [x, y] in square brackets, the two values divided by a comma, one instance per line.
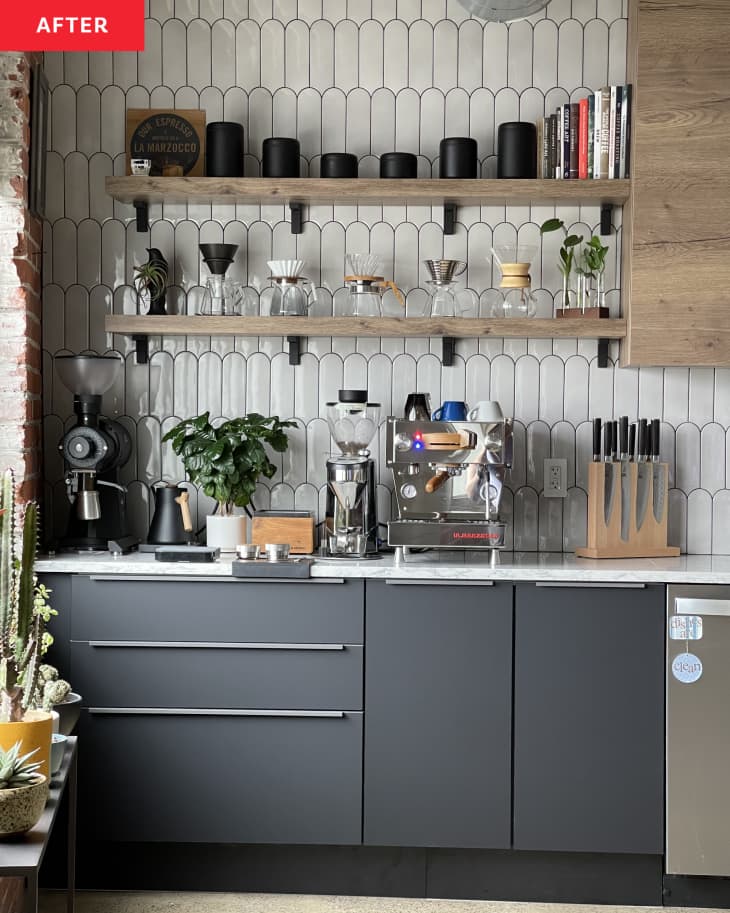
[486, 410]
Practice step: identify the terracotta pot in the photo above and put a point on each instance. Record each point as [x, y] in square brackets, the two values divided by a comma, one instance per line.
[21, 808]
[33, 731]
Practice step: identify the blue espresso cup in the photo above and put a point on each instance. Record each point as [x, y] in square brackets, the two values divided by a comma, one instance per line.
[450, 411]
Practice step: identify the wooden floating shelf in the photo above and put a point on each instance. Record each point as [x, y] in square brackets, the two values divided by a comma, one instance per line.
[454, 327]
[364, 191]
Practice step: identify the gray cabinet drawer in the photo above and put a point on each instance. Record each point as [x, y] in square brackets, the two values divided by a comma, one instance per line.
[221, 779]
[158, 609]
[255, 675]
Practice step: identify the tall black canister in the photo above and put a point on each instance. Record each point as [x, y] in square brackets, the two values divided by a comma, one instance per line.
[224, 150]
[517, 150]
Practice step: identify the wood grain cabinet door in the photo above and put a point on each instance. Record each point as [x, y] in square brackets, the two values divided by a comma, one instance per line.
[677, 226]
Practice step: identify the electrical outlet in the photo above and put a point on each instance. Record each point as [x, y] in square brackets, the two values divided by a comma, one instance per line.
[555, 478]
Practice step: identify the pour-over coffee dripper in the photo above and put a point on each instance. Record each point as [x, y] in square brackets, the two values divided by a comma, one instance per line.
[447, 297]
[222, 297]
[514, 261]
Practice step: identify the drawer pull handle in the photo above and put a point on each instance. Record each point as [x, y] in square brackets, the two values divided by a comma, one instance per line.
[194, 711]
[426, 581]
[208, 645]
[214, 578]
[689, 606]
[591, 585]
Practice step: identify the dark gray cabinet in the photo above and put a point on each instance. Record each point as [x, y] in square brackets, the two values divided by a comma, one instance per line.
[589, 718]
[264, 778]
[438, 699]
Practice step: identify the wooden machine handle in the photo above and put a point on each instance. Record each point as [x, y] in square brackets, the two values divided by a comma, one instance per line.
[456, 440]
[183, 500]
[436, 481]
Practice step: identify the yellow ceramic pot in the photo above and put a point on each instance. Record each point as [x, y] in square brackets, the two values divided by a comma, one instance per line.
[33, 731]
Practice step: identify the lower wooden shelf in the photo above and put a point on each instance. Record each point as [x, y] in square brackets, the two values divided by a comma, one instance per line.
[141, 327]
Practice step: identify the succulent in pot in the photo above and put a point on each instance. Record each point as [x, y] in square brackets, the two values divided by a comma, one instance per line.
[226, 461]
[23, 791]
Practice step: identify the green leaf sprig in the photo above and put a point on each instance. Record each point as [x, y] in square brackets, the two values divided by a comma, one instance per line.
[227, 461]
[567, 250]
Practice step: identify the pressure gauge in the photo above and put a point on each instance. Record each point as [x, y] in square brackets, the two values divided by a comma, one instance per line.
[409, 491]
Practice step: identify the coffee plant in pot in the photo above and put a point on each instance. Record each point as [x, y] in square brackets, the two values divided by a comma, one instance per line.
[226, 462]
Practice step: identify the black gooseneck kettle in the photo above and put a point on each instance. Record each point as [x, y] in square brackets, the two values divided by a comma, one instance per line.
[171, 522]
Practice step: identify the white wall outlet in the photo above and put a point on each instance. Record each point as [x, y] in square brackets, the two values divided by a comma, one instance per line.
[555, 480]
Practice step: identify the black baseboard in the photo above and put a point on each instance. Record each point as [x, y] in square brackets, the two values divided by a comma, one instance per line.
[373, 871]
[694, 891]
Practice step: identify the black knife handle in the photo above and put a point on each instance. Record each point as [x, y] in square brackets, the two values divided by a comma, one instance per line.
[655, 438]
[632, 440]
[641, 443]
[597, 437]
[607, 440]
[623, 426]
[614, 437]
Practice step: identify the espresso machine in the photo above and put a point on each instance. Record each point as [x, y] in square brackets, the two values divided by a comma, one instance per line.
[351, 523]
[94, 450]
[448, 479]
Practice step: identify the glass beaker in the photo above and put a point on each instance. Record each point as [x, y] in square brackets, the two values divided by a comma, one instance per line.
[366, 294]
[293, 296]
[221, 298]
[448, 299]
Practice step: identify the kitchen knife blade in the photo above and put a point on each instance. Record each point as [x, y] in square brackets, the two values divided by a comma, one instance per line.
[643, 479]
[658, 472]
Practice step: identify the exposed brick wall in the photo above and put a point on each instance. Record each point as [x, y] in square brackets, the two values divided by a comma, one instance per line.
[20, 283]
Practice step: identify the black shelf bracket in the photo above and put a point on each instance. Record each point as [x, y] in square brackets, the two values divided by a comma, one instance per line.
[297, 219]
[606, 214]
[295, 349]
[450, 218]
[448, 350]
[603, 360]
[142, 209]
[141, 349]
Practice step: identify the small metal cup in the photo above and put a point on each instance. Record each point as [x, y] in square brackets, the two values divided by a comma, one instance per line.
[247, 552]
[277, 551]
[141, 166]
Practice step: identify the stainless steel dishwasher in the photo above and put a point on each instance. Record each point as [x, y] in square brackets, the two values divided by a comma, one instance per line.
[698, 730]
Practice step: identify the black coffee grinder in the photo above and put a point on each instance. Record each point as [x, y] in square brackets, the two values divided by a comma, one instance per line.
[94, 450]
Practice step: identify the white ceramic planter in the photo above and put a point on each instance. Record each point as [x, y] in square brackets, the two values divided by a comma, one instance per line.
[225, 533]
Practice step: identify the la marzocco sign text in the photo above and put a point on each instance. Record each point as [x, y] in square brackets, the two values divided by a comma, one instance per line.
[73, 25]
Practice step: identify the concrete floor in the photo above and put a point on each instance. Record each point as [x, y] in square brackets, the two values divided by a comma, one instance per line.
[159, 902]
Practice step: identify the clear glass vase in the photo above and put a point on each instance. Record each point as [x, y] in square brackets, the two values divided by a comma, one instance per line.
[597, 292]
[569, 293]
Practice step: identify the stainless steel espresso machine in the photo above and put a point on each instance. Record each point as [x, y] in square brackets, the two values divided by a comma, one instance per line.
[351, 522]
[94, 450]
[448, 480]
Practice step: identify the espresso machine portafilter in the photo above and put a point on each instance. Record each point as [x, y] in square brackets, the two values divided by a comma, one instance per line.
[448, 479]
[93, 450]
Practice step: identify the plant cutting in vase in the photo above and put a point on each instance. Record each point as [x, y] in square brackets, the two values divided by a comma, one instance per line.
[226, 462]
[592, 265]
[23, 791]
[151, 282]
[567, 257]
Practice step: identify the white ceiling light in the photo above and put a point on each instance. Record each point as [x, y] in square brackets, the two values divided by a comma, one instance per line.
[503, 10]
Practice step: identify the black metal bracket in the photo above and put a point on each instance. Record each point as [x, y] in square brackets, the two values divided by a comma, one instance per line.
[448, 350]
[295, 349]
[606, 214]
[450, 218]
[142, 349]
[297, 218]
[142, 209]
[603, 361]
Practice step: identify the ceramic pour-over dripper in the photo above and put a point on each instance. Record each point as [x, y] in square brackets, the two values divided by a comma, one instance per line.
[286, 269]
[218, 257]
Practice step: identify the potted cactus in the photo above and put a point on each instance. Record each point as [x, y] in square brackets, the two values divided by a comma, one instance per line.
[24, 614]
[23, 791]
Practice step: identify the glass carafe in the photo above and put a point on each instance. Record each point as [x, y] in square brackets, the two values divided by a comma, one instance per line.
[449, 299]
[514, 262]
[221, 298]
[293, 296]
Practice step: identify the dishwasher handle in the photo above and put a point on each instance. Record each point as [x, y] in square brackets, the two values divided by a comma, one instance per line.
[687, 605]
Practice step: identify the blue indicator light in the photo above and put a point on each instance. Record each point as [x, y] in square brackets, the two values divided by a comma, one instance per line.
[418, 445]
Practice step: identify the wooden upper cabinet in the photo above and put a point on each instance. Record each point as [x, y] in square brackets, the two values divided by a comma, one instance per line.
[677, 223]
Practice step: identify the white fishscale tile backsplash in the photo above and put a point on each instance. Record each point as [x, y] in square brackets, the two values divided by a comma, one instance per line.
[365, 76]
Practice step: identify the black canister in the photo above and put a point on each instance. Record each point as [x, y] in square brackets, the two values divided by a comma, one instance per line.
[398, 165]
[458, 157]
[280, 157]
[517, 150]
[224, 150]
[338, 165]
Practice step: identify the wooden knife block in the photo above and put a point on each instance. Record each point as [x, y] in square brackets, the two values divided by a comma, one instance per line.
[604, 533]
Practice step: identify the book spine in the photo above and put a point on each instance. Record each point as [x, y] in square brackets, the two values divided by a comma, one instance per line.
[574, 118]
[545, 151]
[617, 138]
[597, 121]
[553, 145]
[583, 138]
[605, 131]
[591, 132]
[611, 129]
[566, 140]
[538, 151]
[625, 131]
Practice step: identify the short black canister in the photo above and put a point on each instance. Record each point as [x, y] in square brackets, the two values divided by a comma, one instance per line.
[338, 165]
[224, 150]
[398, 165]
[517, 150]
[280, 157]
[458, 157]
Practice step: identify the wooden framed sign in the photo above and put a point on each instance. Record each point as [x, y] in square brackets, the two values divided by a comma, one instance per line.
[174, 141]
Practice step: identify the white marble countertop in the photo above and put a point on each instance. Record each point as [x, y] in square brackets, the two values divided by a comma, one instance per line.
[542, 566]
